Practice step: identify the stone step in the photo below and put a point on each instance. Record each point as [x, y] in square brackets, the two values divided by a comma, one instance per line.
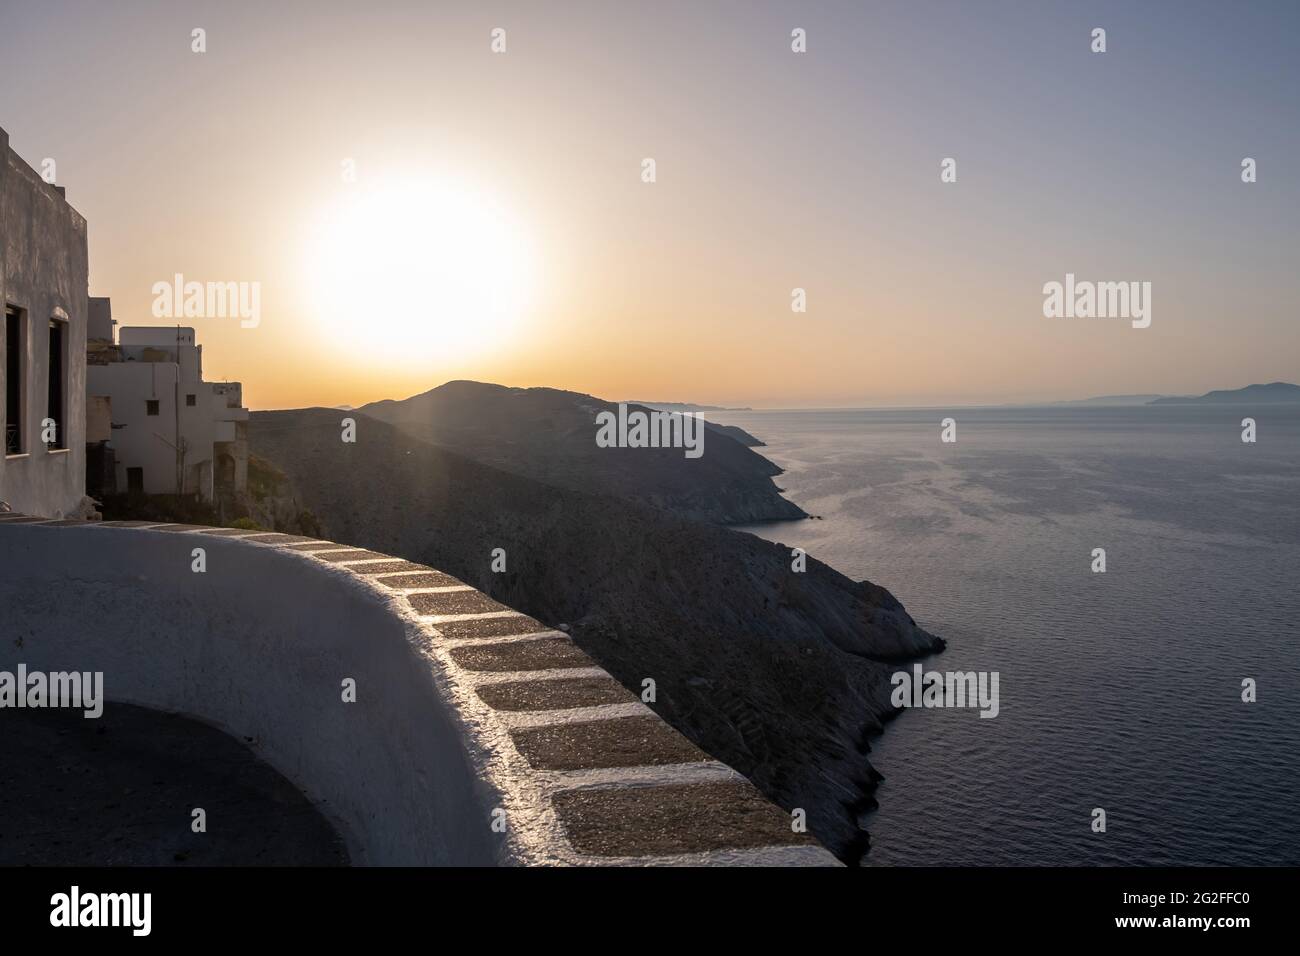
[550, 653]
[456, 602]
[563, 694]
[673, 819]
[490, 627]
[623, 742]
[416, 579]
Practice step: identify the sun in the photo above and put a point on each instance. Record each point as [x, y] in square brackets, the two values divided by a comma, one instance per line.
[417, 272]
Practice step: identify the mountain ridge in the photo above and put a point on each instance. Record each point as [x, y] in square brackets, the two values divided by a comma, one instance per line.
[550, 435]
[1272, 393]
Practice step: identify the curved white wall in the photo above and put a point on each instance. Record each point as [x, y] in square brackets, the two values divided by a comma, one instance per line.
[258, 646]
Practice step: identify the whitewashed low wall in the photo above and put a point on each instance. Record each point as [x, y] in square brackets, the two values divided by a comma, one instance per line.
[259, 646]
[479, 736]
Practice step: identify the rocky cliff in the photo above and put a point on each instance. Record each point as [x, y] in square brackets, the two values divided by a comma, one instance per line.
[781, 674]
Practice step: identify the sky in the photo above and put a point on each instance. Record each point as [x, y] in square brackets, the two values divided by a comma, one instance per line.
[496, 225]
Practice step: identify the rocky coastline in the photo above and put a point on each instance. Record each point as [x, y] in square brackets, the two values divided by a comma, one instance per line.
[783, 675]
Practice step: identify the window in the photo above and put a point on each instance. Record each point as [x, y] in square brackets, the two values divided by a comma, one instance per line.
[15, 349]
[135, 481]
[191, 400]
[151, 406]
[58, 382]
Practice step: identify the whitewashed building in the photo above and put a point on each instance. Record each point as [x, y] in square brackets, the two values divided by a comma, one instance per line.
[172, 432]
[43, 275]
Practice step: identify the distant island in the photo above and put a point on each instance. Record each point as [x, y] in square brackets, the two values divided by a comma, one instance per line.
[1113, 400]
[1272, 394]
[686, 407]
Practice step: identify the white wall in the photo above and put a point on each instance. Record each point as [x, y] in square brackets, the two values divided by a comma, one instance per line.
[148, 441]
[258, 646]
[145, 441]
[43, 270]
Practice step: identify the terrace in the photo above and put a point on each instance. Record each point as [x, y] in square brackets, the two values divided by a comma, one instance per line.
[476, 735]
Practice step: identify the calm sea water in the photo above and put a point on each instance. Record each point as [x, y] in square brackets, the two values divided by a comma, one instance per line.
[1119, 690]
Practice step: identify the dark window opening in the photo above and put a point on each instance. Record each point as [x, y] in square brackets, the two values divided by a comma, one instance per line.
[13, 382]
[135, 481]
[191, 400]
[57, 379]
[151, 406]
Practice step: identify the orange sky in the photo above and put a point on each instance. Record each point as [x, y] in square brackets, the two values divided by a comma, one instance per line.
[775, 171]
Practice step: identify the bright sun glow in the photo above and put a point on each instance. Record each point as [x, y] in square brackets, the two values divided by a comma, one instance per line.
[418, 273]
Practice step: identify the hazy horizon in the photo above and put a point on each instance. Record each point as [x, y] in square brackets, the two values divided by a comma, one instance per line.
[516, 177]
[755, 407]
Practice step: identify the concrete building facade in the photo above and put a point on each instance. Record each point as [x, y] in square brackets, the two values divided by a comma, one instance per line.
[171, 432]
[43, 290]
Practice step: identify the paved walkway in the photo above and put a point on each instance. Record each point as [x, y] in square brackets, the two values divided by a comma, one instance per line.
[119, 790]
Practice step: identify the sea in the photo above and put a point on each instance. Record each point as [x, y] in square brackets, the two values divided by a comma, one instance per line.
[1120, 690]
